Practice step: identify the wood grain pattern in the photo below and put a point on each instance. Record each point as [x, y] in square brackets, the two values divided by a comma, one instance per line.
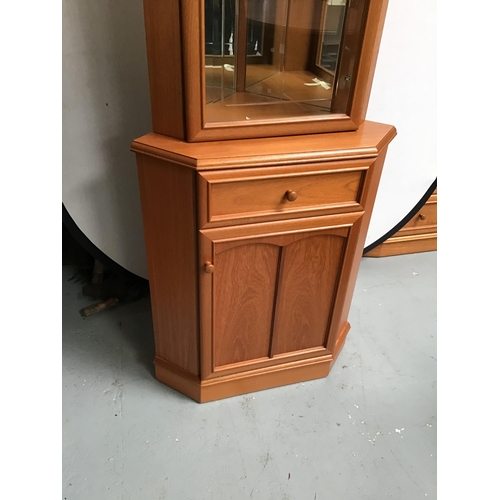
[242, 383]
[244, 290]
[246, 302]
[208, 178]
[284, 231]
[425, 218]
[166, 84]
[377, 10]
[171, 252]
[266, 378]
[399, 245]
[193, 57]
[278, 359]
[276, 285]
[310, 270]
[258, 196]
[206, 252]
[366, 142]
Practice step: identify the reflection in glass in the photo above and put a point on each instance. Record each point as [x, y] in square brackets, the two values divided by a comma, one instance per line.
[268, 59]
[333, 20]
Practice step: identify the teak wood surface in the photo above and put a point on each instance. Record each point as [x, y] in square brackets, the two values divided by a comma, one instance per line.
[259, 297]
[366, 142]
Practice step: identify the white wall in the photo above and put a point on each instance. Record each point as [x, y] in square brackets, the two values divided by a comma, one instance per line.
[404, 94]
[106, 105]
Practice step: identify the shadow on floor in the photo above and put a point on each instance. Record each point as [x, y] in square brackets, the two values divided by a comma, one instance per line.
[132, 311]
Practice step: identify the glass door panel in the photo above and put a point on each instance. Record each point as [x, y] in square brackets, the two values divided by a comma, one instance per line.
[273, 59]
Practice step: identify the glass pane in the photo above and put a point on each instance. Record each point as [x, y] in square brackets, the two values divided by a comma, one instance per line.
[333, 21]
[220, 30]
[271, 59]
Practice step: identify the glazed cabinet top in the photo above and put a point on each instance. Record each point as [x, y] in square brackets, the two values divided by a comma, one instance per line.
[231, 69]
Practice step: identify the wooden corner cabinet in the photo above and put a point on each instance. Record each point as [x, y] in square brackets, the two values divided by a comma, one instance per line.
[253, 249]
[232, 69]
[257, 185]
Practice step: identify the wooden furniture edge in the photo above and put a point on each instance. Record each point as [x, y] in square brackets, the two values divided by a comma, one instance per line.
[250, 381]
[400, 245]
[160, 146]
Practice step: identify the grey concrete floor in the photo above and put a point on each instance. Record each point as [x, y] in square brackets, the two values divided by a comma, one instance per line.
[367, 431]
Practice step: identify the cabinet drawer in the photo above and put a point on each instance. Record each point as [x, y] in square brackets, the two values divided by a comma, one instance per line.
[423, 222]
[248, 195]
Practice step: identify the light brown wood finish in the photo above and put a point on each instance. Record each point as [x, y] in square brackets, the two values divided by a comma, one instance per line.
[272, 295]
[366, 142]
[193, 56]
[349, 55]
[244, 291]
[309, 272]
[177, 77]
[235, 198]
[257, 380]
[291, 372]
[255, 283]
[399, 245]
[369, 52]
[171, 251]
[418, 235]
[163, 44]
[354, 249]
[425, 219]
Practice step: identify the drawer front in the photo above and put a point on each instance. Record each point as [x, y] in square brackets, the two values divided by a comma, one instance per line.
[260, 194]
[424, 221]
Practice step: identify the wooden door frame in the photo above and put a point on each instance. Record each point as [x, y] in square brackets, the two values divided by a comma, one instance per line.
[196, 128]
[344, 224]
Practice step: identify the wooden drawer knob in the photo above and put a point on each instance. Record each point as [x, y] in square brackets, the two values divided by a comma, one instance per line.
[422, 216]
[291, 195]
[209, 268]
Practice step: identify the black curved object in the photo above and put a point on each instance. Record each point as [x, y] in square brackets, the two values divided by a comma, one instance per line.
[90, 248]
[405, 220]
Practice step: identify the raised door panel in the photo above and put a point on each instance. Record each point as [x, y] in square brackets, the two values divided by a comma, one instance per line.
[310, 269]
[268, 295]
[244, 290]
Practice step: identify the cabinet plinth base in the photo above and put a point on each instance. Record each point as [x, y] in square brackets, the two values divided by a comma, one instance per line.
[236, 384]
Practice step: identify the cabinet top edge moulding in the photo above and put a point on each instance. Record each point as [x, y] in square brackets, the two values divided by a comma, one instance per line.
[239, 69]
[367, 142]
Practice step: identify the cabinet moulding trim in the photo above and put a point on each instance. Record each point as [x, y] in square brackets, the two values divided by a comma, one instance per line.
[241, 218]
[266, 229]
[230, 180]
[266, 370]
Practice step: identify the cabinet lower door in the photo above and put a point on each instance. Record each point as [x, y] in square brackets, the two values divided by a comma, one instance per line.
[265, 297]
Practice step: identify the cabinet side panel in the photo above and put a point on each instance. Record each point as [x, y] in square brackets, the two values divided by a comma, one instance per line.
[375, 23]
[168, 209]
[354, 250]
[163, 42]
